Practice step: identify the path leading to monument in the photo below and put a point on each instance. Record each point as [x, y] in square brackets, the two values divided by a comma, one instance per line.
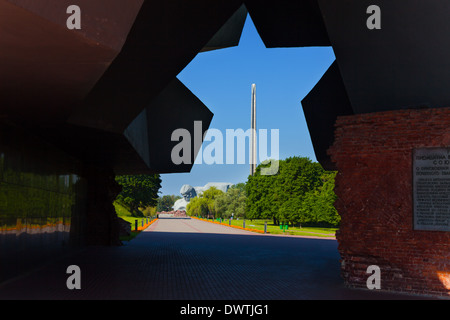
[187, 259]
[194, 225]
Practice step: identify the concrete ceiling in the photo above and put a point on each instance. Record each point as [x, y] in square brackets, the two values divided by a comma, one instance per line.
[108, 93]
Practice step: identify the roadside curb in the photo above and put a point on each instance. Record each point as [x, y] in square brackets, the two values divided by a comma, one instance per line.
[267, 233]
[145, 226]
[227, 225]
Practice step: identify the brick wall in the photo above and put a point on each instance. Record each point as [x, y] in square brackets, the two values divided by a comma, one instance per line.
[373, 154]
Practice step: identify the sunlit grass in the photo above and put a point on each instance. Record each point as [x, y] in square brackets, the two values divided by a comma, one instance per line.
[276, 229]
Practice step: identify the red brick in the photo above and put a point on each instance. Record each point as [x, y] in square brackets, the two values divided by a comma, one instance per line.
[373, 154]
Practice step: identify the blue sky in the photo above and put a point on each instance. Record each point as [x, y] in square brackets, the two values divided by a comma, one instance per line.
[222, 80]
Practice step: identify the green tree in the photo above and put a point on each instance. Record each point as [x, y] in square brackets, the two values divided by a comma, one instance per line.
[297, 176]
[231, 202]
[166, 202]
[259, 192]
[318, 205]
[289, 211]
[210, 195]
[198, 206]
[203, 204]
[139, 190]
[281, 196]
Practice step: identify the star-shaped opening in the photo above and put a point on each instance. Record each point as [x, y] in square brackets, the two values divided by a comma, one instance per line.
[222, 80]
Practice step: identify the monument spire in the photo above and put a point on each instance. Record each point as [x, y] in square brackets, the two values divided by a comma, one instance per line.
[253, 130]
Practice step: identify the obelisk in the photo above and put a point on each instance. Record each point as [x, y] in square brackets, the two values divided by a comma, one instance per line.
[253, 131]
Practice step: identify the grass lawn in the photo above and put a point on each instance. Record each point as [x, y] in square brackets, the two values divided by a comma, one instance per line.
[273, 229]
[125, 214]
[133, 219]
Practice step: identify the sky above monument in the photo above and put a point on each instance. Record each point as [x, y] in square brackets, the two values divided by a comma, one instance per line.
[222, 80]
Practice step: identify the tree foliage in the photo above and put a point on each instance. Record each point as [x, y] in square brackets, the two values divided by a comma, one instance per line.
[318, 204]
[301, 192]
[166, 202]
[232, 202]
[198, 206]
[204, 204]
[139, 190]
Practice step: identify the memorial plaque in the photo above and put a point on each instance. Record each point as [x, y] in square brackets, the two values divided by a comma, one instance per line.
[431, 189]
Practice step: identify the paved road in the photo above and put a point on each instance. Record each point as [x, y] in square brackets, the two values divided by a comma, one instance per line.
[181, 259]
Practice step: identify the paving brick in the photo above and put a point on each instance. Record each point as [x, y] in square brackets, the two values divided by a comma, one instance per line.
[179, 259]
